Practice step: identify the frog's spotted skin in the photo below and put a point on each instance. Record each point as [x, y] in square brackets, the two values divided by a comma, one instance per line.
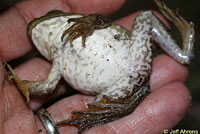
[114, 64]
[101, 64]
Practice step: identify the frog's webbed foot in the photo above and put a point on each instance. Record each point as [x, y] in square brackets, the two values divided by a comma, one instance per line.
[106, 110]
[21, 85]
[85, 26]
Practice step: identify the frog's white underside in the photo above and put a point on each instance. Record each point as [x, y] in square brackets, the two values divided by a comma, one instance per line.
[105, 65]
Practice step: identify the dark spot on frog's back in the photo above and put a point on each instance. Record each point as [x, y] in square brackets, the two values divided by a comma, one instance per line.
[50, 33]
[73, 52]
[85, 64]
[86, 76]
[65, 68]
[101, 71]
[117, 37]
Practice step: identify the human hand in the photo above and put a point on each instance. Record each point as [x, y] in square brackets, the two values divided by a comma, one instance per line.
[162, 109]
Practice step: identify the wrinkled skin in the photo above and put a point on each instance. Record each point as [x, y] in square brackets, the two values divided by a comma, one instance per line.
[163, 108]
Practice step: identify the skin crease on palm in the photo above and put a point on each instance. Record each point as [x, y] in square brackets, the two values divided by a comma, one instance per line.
[162, 109]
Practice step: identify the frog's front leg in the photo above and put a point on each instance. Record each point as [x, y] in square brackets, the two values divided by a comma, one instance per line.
[164, 39]
[106, 110]
[28, 88]
[85, 26]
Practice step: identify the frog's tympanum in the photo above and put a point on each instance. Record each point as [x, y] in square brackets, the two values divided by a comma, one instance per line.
[96, 56]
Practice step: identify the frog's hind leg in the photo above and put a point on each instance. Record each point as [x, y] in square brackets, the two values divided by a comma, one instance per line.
[165, 40]
[106, 110]
[28, 88]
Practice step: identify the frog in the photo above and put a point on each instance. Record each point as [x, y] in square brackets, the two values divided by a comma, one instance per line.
[98, 57]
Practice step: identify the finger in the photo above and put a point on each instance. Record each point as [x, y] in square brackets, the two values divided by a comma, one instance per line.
[62, 110]
[8, 92]
[14, 112]
[36, 69]
[14, 41]
[161, 110]
[100, 6]
[166, 70]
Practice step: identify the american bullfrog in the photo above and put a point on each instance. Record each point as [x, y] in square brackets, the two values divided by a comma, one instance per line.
[96, 56]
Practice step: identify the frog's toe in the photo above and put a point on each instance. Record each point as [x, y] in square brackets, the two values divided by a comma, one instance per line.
[106, 110]
[91, 117]
[85, 26]
[175, 18]
[78, 29]
[77, 33]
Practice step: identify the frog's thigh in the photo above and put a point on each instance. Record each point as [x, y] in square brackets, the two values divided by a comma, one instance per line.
[141, 42]
[48, 85]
